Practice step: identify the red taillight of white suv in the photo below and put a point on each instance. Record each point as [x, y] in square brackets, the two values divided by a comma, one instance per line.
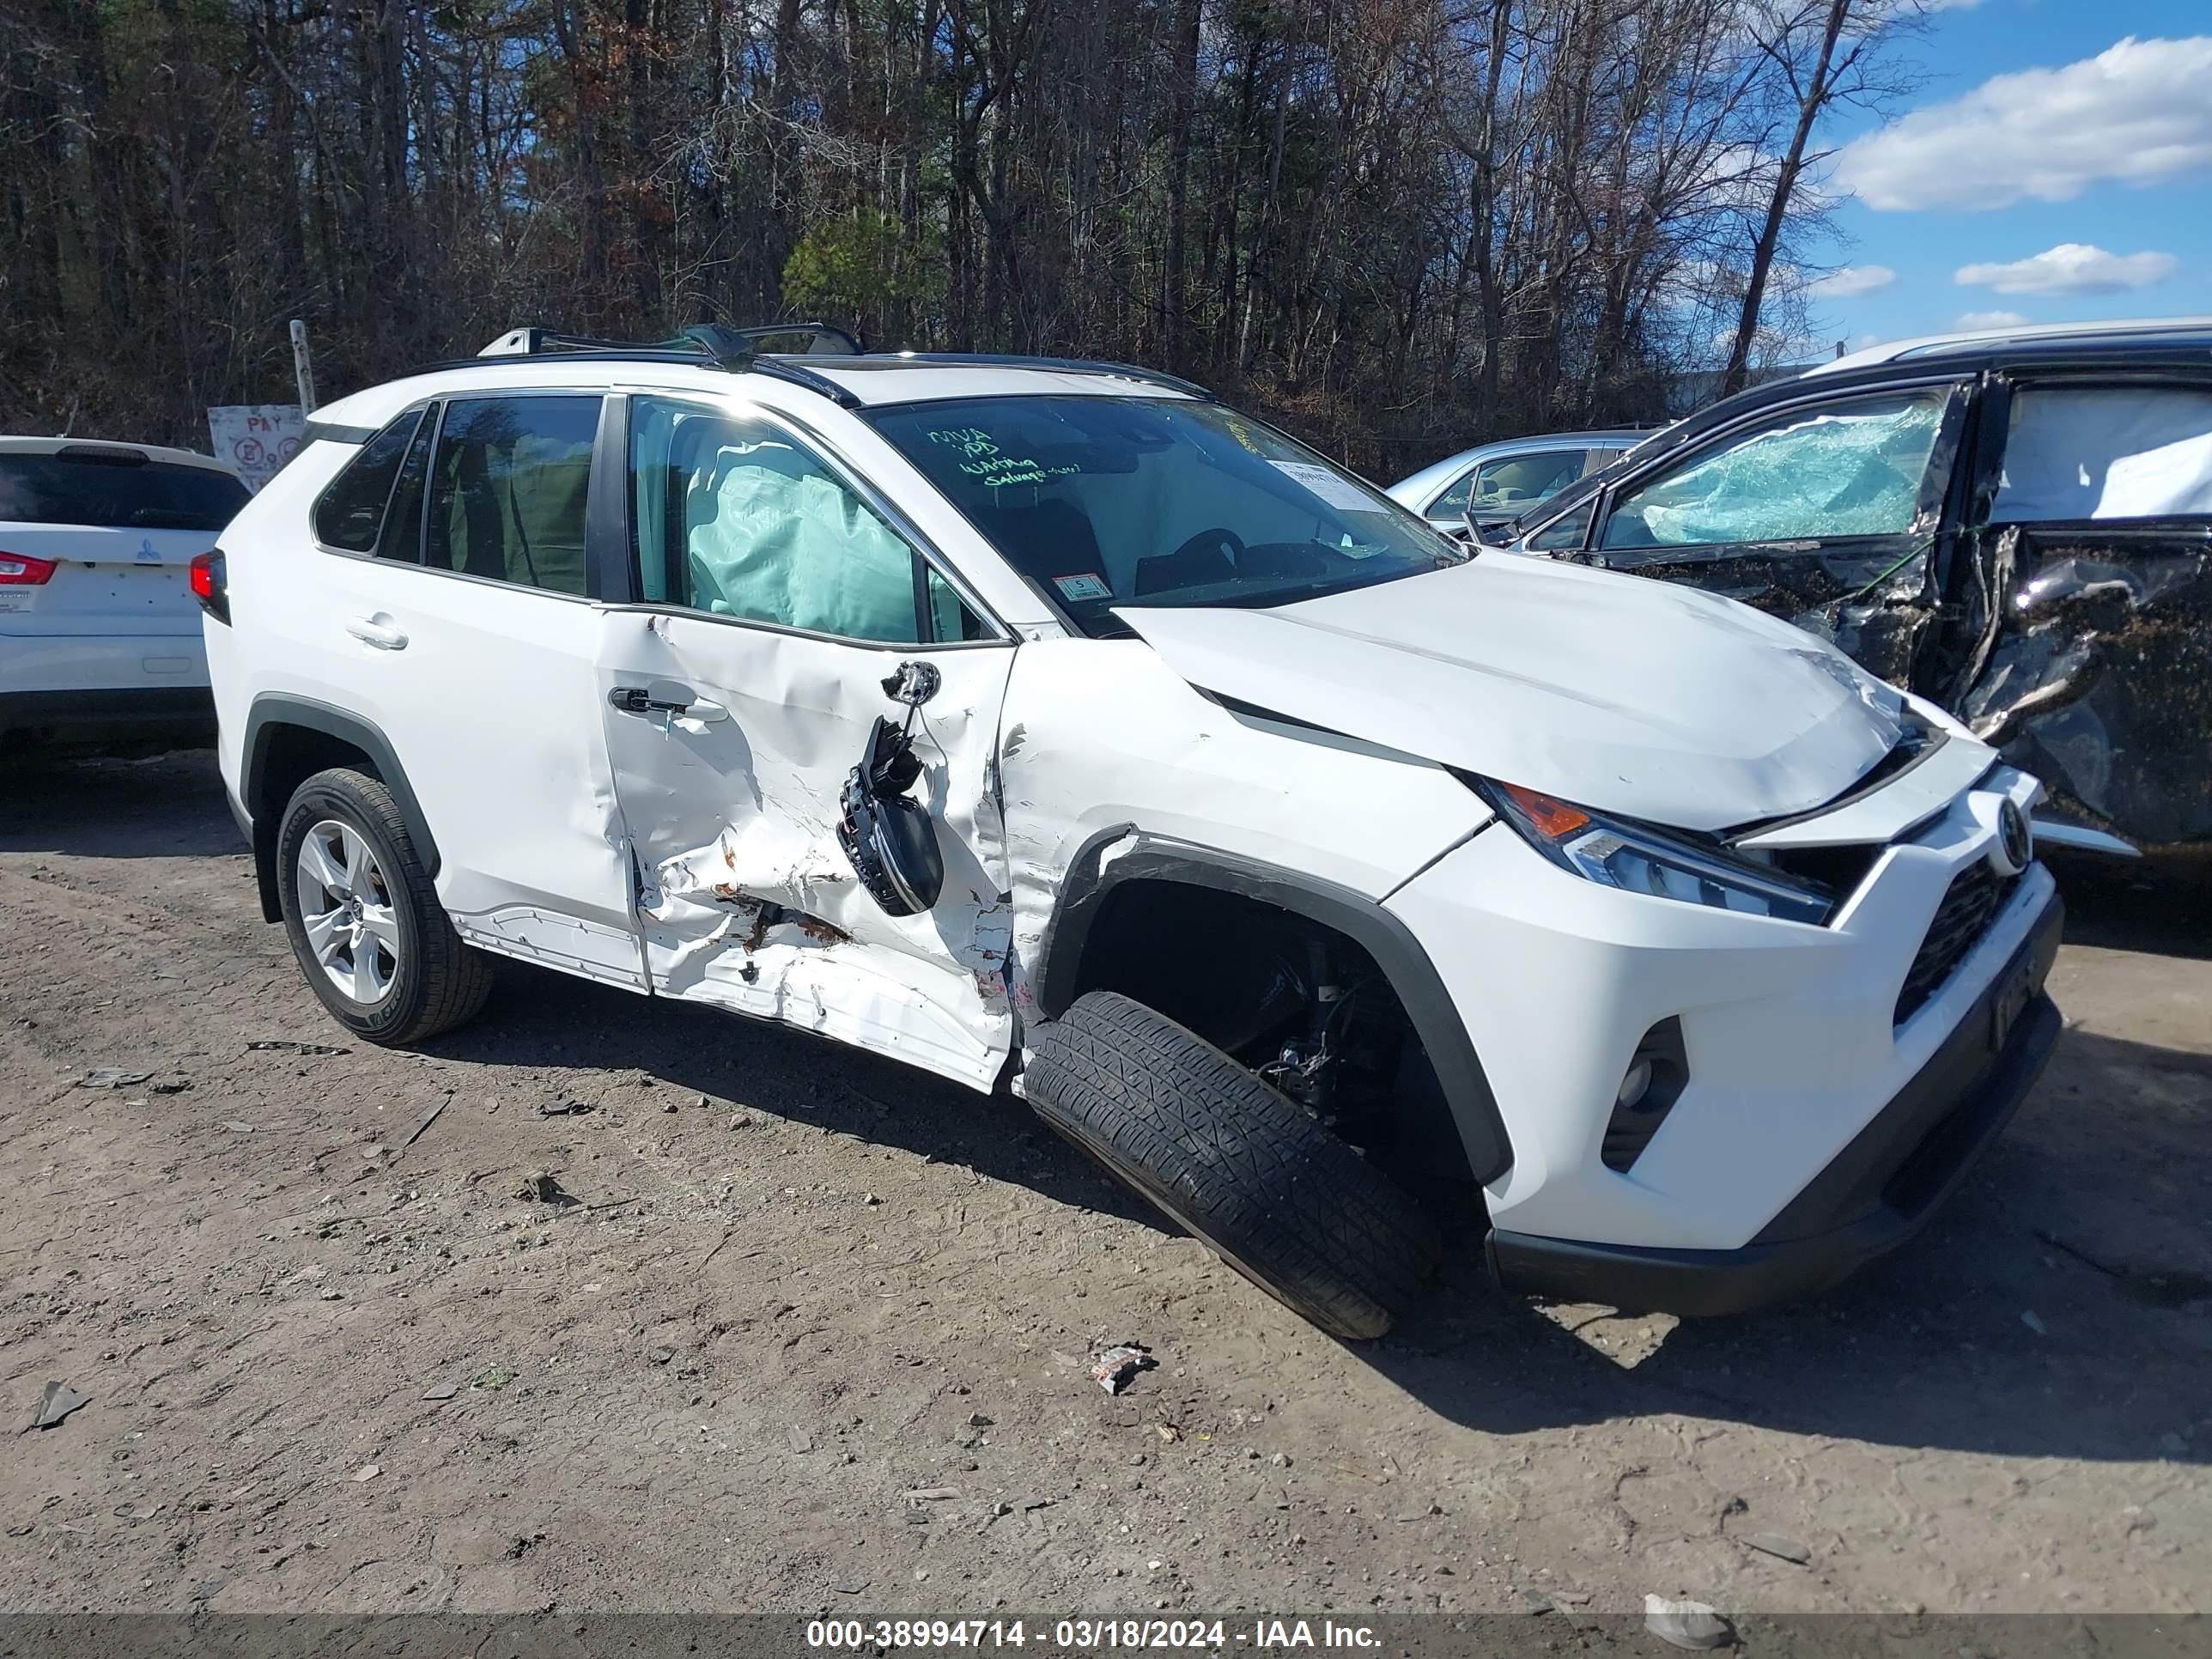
[21, 570]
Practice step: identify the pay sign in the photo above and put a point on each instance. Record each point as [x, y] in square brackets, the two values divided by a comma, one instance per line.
[256, 438]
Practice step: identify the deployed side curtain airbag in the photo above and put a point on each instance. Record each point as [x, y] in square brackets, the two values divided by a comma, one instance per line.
[798, 551]
[2106, 452]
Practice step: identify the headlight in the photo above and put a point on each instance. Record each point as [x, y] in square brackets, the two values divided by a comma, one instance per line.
[1639, 859]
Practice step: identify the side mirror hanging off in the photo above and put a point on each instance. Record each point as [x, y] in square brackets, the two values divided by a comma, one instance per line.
[887, 834]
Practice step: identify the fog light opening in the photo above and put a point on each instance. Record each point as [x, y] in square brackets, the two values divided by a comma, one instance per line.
[1657, 1073]
[1634, 1085]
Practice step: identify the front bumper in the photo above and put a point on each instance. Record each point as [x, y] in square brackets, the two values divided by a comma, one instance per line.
[1873, 1196]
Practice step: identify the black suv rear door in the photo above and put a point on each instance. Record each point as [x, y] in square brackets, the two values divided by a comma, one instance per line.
[2085, 628]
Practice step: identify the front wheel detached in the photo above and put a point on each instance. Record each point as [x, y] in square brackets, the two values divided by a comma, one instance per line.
[1255, 1177]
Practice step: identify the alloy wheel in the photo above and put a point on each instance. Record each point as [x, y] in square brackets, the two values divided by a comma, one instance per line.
[345, 907]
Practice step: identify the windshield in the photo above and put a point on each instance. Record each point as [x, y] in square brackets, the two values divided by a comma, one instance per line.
[115, 489]
[1126, 500]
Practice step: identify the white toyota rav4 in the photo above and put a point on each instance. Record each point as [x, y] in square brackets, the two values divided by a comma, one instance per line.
[1046, 723]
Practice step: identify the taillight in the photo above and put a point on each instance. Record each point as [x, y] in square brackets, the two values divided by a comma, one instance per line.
[21, 570]
[210, 583]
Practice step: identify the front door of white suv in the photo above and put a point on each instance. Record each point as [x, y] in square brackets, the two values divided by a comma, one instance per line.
[775, 599]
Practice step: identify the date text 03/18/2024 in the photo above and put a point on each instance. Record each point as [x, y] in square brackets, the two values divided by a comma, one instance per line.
[1089, 1635]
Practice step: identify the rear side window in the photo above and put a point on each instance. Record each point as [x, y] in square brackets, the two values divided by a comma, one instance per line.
[350, 514]
[115, 488]
[2080, 452]
[508, 486]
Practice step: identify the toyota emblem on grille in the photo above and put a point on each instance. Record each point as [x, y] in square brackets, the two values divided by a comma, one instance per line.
[2015, 842]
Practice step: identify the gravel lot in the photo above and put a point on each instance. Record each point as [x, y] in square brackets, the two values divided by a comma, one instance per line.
[802, 1331]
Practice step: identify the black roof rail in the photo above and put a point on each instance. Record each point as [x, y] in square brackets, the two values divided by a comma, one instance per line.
[717, 340]
[737, 349]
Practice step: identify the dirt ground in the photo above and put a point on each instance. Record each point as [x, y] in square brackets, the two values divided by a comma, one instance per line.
[804, 1331]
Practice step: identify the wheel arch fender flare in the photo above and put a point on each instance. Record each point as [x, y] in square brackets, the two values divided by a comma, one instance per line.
[272, 713]
[1056, 977]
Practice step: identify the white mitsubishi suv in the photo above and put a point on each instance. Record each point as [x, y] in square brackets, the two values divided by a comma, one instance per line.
[98, 636]
[1049, 724]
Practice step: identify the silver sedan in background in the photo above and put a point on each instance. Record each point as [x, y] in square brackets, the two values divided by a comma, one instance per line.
[1494, 482]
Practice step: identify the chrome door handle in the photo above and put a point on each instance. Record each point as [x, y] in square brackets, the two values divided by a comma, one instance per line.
[370, 630]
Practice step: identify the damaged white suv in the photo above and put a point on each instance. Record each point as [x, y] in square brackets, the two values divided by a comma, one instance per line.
[1046, 723]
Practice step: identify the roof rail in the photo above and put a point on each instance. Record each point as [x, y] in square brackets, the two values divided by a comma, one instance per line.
[737, 349]
[1071, 365]
[720, 341]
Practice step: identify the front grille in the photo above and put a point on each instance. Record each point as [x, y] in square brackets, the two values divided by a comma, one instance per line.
[1977, 893]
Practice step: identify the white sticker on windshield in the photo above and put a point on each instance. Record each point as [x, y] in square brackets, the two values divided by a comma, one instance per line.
[1337, 492]
[1085, 587]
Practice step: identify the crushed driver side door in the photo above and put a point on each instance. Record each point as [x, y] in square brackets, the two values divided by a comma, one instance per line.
[776, 598]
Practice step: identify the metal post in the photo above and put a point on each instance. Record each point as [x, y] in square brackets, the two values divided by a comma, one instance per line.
[303, 367]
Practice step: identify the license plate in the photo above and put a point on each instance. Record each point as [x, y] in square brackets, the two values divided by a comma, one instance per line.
[2014, 993]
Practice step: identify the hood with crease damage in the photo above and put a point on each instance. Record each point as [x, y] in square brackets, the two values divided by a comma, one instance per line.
[1634, 697]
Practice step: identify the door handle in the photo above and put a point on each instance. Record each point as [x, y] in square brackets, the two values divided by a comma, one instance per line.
[666, 698]
[372, 630]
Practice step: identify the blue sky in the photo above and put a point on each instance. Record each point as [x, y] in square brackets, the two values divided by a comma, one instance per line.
[2044, 171]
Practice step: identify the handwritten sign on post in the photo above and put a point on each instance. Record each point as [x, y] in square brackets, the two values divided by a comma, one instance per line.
[256, 438]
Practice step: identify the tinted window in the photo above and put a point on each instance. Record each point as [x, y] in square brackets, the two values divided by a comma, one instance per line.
[115, 489]
[1851, 468]
[403, 520]
[507, 488]
[350, 512]
[732, 517]
[1110, 500]
[1565, 532]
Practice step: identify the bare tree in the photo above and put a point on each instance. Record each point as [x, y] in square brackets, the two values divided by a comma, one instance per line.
[1822, 54]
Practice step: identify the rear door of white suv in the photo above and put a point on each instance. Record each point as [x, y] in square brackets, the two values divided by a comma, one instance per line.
[95, 542]
[448, 605]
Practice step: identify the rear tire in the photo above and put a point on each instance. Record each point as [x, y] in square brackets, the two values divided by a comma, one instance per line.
[419, 979]
[1277, 1196]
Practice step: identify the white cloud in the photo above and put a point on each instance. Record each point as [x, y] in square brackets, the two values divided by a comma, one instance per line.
[1851, 281]
[1973, 319]
[2070, 270]
[2136, 113]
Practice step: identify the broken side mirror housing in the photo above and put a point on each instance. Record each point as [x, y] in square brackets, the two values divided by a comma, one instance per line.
[888, 837]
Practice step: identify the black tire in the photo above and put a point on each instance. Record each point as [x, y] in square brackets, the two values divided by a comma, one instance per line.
[439, 981]
[1278, 1197]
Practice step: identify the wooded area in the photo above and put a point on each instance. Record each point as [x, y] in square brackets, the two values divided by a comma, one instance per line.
[1398, 226]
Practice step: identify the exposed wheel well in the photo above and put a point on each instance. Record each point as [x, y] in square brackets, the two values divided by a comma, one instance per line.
[1300, 1002]
[286, 756]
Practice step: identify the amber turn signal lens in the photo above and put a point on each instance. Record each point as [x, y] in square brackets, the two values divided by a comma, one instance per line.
[1550, 818]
